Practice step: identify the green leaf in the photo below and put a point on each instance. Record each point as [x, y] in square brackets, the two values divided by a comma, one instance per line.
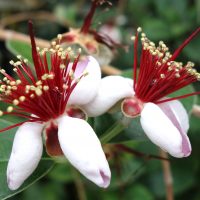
[6, 139]
[20, 48]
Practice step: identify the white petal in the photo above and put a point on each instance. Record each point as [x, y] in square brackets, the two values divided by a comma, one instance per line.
[161, 130]
[180, 113]
[175, 111]
[111, 90]
[26, 154]
[82, 148]
[86, 89]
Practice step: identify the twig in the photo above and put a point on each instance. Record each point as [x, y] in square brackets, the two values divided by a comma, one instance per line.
[139, 154]
[79, 185]
[196, 110]
[13, 35]
[167, 176]
[41, 15]
[109, 70]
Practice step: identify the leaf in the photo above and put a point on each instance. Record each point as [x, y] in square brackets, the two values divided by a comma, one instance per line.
[20, 48]
[6, 139]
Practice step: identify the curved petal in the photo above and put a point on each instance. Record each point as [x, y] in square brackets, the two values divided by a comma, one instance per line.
[160, 130]
[111, 90]
[26, 154]
[87, 87]
[175, 111]
[82, 148]
[180, 113]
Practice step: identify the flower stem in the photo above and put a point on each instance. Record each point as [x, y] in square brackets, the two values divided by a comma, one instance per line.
[113, 131]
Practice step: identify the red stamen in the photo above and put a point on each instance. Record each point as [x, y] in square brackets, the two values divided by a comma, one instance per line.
[88, 19]
[42, 97]
[177, 52]
[159, 74]
[135, 59]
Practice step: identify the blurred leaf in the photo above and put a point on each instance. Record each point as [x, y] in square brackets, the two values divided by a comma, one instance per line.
[20, 48]
[6, 139]
[61, 173]
[192, 50]
[138, 192]
[152, 26]
[67, 12]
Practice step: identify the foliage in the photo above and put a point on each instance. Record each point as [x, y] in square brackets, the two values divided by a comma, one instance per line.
[133, 177]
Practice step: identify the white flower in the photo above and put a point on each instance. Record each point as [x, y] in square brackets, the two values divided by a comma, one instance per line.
[78, 143]
[50, 102]
[164, 120]
[165, 124]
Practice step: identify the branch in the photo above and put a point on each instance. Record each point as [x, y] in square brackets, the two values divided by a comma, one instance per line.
[196, 110]
[41, 15]
[167, 176]
[13, 35]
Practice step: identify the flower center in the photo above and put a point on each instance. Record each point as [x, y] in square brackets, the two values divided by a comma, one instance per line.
[131, 107]
[51, 131]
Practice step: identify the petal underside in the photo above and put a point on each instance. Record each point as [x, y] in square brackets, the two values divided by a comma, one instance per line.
[161, 130]
[87, 87]
[25, 155]
[82, 148]
[112, 89]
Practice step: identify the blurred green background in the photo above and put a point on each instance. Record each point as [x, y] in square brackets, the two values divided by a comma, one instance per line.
[133, 177]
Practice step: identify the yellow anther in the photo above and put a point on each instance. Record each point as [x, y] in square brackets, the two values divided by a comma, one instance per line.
[12, 83]
[45, 87]
[50, 76]
[139, 29]
[1, 112]
[22, 98]
[14, 87]
[9, 87]
[39, 83]
[12, 62]
[65, 86]
[38, 91]
[53, 43]
[18, 63]
[162, 76]
[59, 36]
[32, 95]
[15, 102]
[57, 46]
[28, 87]
[62, 66]
[25, 60]
[177, 75]
[32, 87]
[9, 109]
[19, 56]
[18, 82]
[44, 77]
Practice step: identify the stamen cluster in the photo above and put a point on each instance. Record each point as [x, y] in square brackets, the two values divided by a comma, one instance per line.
[159, 74]
[42, 94]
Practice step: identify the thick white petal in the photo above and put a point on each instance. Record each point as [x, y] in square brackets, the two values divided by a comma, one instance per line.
[175, 111]
[111, 90]
[82, 148]
[26, 154]
[180, 113]
[87, 88]
[161, 130]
